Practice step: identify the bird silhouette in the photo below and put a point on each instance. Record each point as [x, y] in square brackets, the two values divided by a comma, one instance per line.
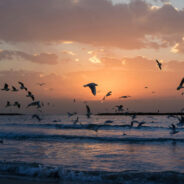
[181, 84]
[17, 104]
[22, 86]
[37, 103]
[92, 86]
[29, 94]
[8, 104]
[159, 64]
[88, 114]
[37, 117]
[14, 89]
[5, 87]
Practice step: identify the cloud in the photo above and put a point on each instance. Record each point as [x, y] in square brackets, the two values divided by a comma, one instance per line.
[42, 58]
[96, 22]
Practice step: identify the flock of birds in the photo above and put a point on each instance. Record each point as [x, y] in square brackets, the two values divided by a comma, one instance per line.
[92, 86]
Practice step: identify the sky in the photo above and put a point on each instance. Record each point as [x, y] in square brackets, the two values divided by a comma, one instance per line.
[113, 43]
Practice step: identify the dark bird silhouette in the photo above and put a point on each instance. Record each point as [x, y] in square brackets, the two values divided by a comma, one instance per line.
[124, 96]
[76, 120]
[5, 87]
[22, 86]
[120, 108]
[74, 100]
[108, 121]
[37, 117]
[146, 87]
[14, 89]
[88, 114]
[92, 87]
[17, 104]
[108, 94]
[93, 127]
[159, 64]
[173, 129]
[29, 94]
[8, 104]
[181, 84]
[37, 103]
[71, 114]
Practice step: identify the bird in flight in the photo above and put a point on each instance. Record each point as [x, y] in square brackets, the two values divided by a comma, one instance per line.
[124, 96]
[120, 108]
[29, 94]
[108, 94]
[22, 86]
[181, 84]
[37, 103]
[92, 86]
[173, 129]
[159, 64]
[5, 87]
[14, 89]
[17, 104]
[37, 117]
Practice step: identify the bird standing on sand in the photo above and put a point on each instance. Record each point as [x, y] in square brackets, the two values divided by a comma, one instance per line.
[159, 64]
[92, 86]
[5, 87]
[181, 84]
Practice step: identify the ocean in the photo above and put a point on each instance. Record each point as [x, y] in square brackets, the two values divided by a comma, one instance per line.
[91, 151]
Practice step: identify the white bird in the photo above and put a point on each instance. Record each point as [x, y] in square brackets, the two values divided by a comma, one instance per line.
[181, 84]
[159, 64]
[92, 86]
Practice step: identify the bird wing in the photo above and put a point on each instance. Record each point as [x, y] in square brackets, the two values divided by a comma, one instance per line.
[182, 81]
[93, 89]
[88, 109]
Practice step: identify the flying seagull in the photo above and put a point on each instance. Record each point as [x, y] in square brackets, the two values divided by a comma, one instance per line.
[5, 87]
[17, 104]
[92, 86]
[159, 64]
[120, 108]
[29, 94]
[124, 96]
[37, 103]
[181, 84]
[108, 94]
[36, 116]
[22, 86]
[14, 89]
[71, 114]
[76, 121]
[173, 129]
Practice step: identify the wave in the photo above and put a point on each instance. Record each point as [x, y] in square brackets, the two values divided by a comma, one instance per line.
[94, 127]
[40, 171]
[55, 137]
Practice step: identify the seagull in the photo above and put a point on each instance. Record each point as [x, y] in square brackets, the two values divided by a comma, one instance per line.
[173, 129]
[159, 64]
[8, 104]
[124, 96]
[22, 86]
[17, 104]
[181, 84]
[93, 127]
[14, 89]
[71, 114]
[120, 108]
[76, 121]
[29, 94]
[146, 87]
[36, 116]
[108, 94]
[37, 103]
[133, 116]
[92, 86]
[88, 114]
[5, 87]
